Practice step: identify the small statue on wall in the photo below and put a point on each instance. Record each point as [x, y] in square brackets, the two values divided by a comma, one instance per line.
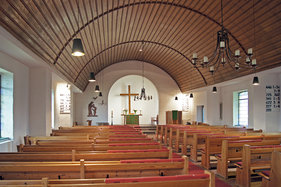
[92, 110]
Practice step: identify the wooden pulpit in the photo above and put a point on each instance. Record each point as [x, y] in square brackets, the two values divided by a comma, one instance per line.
[174, 117]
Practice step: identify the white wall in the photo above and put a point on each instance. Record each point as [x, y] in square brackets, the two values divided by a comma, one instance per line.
[21, 100]
[258, 117]
[116, 103]
[40, 101]
[166, 86]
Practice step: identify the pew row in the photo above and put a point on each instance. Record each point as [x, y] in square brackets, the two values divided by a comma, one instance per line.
[88, 147]
[231, 152]
[192, 180]
[213, 145]
[32, 140]
[112, 155]
[93, 169]
[254, 159]
[271, 178]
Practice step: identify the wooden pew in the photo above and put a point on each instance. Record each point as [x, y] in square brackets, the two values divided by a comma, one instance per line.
[271, 178]
[213, 145]
[95, 141]
[231, 152]
[192, 180]
[32, 140]
[88, 147]
[254, 159]
[93, 169]
[112, 155]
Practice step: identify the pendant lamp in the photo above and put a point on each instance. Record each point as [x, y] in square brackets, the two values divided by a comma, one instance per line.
[97, 89]
[92, 77]
[214, 89]
[176, 98]
[77, 47]
[100, 94]
[256, 81]
[191, 95]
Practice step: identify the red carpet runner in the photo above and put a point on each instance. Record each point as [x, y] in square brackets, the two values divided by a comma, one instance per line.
[196, 169]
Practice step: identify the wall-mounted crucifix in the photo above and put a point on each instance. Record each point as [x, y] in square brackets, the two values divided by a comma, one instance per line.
[129, 94]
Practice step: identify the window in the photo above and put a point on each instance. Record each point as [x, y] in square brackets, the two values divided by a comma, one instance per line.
[6, 104]
[243, 108]
[240, 108]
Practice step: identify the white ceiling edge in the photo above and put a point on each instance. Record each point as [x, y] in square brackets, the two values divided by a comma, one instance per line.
[246, 78]
[15, 49]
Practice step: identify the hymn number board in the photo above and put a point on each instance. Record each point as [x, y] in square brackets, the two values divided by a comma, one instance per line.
[65, 103]
[272, 101]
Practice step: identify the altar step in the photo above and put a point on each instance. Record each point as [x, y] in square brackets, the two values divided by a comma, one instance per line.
[148, 129]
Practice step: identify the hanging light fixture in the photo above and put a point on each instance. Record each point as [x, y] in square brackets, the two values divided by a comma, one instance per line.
[191, 95]
[100, 94]
[143, 95]
[176, 98]
[256, 81]
[97, 89]
[214, 89]
[77, 47]
[223, 54]
[92, 77]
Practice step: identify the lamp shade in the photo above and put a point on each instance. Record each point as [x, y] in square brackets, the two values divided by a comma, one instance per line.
[191, 95]
[256, 81]
[100, 94]
[92, 77]
[97, 89]
[214, 89]
[77, 48]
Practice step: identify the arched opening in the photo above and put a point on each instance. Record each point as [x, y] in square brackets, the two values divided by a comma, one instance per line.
[116, 104]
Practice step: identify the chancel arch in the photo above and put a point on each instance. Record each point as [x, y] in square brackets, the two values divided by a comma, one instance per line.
[118, 105]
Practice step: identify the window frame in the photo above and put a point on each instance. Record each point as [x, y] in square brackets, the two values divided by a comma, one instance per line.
[238, 112]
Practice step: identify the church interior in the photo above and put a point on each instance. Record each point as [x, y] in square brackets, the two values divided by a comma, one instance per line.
[140, 93]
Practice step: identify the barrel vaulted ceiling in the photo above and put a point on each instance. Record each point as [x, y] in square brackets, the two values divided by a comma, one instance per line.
[113, 31]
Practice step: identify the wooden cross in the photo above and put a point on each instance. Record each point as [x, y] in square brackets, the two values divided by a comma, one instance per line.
[129, 94]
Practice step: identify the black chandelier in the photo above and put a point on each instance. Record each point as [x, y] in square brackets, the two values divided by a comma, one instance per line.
[143, 95]
[223, 55]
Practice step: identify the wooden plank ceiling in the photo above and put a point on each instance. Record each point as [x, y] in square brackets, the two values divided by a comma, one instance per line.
[112, 31]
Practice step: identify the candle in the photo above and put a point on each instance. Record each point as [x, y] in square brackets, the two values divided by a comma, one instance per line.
[236, 65]
[237, 52]
[205, 59]
[250, 51]
[248, 60]
[194, 55]
[222, 44]
[254, 62]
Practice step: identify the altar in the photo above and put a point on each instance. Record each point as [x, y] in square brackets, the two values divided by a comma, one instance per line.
[131, 119]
